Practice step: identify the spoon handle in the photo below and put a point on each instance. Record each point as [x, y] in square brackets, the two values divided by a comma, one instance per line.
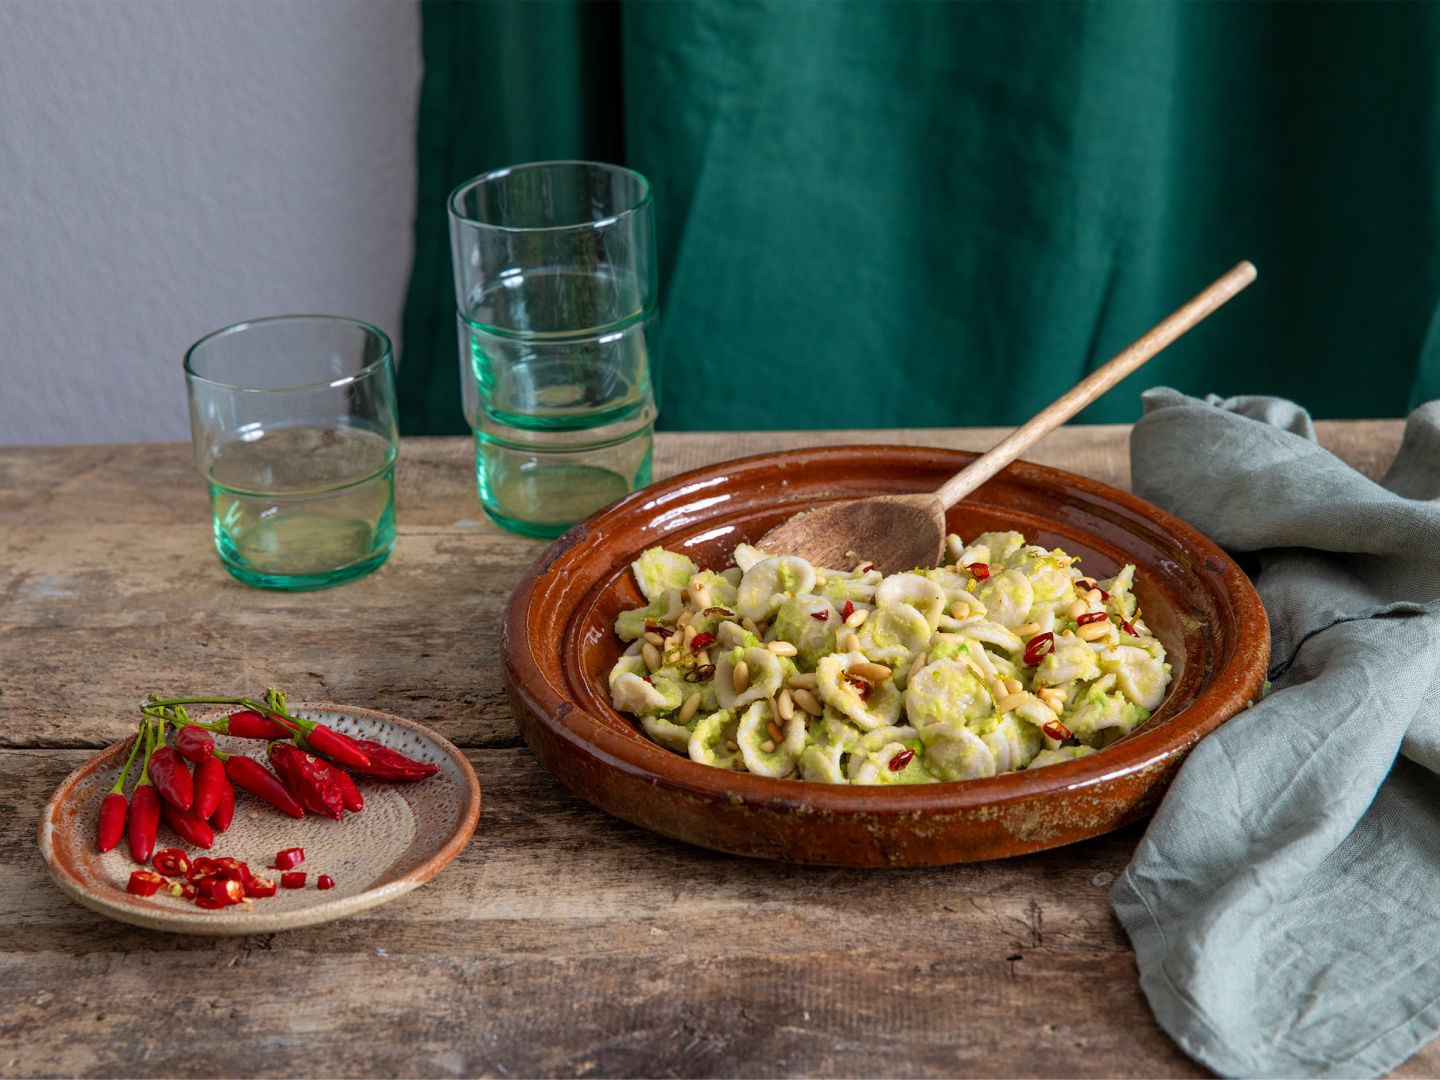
[1093, 385]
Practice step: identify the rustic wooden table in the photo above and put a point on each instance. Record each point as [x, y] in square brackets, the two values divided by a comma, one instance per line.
[561, 941]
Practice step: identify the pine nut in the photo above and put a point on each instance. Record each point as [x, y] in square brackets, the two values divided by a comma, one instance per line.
[672, 641]
[916, 666]
[871, 673]
[688, 709]
[768, 746]
[1093, 597]
[852, 643]
[702, 658]
[689, 633]
[731, 744]
[1093, 631]
[683, 619]
[1077, 608]
[782, 648]
[740, 677]
[1056, 706]
[1010, 701]
[785, 705]
[1027, 629]
[775, 732]
[1067, 633]
[651, 656]
[1141, 628]
[806, 701]
[654, 639]
[959, 610]
[857, 617]
[1086, 584]
[820, 580]
[700, 594]
[749, 625]
[1013, 685]
[998, 690]
[802, 681]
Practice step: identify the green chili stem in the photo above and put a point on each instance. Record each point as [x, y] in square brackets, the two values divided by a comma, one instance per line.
[151, 745]
[120, 783]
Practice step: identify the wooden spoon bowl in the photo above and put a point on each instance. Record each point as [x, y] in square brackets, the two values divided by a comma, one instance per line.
[559, 645]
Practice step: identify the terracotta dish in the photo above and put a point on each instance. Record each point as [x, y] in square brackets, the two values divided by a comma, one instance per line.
[402, 838]
[559, 645]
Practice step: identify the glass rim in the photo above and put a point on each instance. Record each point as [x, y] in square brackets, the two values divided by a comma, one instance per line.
[646, 198]
[386, 353]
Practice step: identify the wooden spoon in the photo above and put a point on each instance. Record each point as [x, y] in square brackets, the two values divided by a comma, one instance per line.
[901, 532]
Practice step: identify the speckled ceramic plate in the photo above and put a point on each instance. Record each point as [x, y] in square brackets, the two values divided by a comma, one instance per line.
[559, 644]
[403, 837]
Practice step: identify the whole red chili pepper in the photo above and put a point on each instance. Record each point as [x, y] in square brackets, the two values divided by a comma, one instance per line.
[249, 775]
[248, 724]
[144, 807]
[114, 806]
[309, 779]
[350, 795]
[194, 743]
[172, 776]
[225, 804]
[191, 829]
[337, 747]
[387, 764]
[209, 779]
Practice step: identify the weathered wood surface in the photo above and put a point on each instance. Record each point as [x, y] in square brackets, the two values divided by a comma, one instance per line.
[561, 941]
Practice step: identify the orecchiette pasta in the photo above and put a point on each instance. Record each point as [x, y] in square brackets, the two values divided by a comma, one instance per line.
[1007, 658]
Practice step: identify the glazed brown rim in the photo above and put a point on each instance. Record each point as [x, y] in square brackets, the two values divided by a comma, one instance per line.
[1233, 682]
[118, 904]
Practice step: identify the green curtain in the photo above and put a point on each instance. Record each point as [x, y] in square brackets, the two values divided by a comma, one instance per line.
[927, 214]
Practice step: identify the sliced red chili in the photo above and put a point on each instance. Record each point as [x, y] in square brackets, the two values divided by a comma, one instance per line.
[1038, 647]
[646, 678]
[701, 641]
[900, 760]
[172, 862]
[820, 615]
[289, 858]
[188, 891]
[260, 887]
[657, 628]
[295, 879]
[1128, 628]
[325, 881]
[700, 674]
[848, 609]
[209, 903]
[979, 570]
[1091, 617]
[144, 882]
[1056, 730]
[861, 687]
[225, 890]
[1104, 596]
[867, 569]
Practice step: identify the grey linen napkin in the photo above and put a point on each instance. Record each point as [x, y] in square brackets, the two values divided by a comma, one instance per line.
[1284, 904]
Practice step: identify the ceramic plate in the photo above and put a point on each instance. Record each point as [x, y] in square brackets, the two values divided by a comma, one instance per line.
[559, 645]
[403, 837]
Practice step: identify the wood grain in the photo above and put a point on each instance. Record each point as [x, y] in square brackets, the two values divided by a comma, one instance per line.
[561, 941]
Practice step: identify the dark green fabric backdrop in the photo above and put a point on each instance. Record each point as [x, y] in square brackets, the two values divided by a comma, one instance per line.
[923, 214]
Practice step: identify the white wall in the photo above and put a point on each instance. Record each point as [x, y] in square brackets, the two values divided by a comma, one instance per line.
[169, 168]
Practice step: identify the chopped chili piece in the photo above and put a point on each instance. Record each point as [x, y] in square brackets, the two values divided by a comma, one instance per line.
[979, 570]
[1056, 730]
[172, 862]
[209, 903]
[260, 887]
[144, 882]
[1039, 646]
[289, 858]
[900, 760]
[294, 879]
[1128, 628]
[700, 641]
[867, 569]
[700, 674]
[862, 688]
[325, 881]
[848, 609]
[1091, 617]
[820, 615]
[225, 890]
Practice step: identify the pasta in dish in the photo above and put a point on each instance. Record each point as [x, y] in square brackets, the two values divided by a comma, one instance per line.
[1006, 658]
